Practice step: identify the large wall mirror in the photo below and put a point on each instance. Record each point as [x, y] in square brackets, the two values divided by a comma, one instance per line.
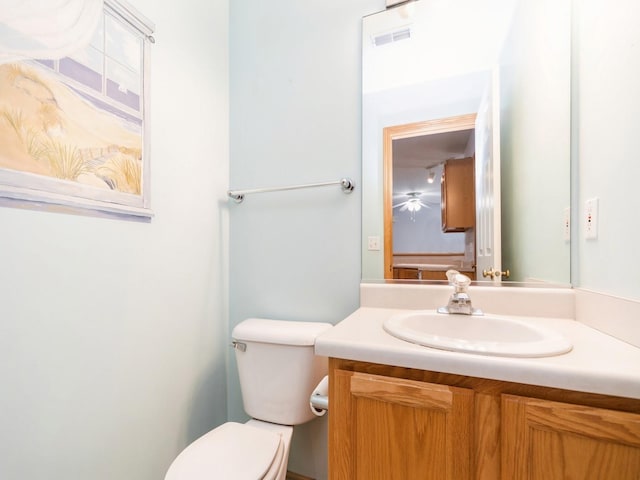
[466, 141]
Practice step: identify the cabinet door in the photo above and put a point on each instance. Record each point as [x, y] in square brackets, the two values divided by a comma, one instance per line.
[558, 441]
[385, 428]
[458, 195]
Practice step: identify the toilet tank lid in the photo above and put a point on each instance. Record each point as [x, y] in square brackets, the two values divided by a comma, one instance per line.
[281, 332]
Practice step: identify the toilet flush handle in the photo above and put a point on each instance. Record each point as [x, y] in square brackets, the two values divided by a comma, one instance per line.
[239, 346]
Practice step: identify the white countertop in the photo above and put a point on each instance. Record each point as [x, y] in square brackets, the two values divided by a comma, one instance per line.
[598, 362]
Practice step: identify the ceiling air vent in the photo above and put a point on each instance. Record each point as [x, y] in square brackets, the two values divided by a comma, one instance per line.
[403, 33]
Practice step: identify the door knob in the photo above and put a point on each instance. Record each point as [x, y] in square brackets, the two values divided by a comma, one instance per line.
[491, 273]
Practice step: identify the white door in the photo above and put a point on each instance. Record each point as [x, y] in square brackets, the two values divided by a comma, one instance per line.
[487, 171]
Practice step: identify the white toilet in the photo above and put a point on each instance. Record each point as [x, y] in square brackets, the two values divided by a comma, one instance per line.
[278, 372]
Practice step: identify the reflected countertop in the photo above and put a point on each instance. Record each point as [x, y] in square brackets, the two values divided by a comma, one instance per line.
[435, 267]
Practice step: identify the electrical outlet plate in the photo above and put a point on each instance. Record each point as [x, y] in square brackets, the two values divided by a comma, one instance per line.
[591, 219]
[567, 224]
[374, 243]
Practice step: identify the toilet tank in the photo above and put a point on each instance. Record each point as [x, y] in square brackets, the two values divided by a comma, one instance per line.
[278, 369]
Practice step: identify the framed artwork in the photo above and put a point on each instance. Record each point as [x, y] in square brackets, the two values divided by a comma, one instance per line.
[74, 131]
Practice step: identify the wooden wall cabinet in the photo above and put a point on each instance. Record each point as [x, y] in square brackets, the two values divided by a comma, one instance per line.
[389, 423]
[458, 195]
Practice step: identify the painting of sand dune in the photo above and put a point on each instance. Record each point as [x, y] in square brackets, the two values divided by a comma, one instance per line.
[50, 129]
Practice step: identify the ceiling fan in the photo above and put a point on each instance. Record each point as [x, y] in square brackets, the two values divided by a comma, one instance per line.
[414, 203]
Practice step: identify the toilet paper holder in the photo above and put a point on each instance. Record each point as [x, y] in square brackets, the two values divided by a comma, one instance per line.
[320, 403]
[319, 399]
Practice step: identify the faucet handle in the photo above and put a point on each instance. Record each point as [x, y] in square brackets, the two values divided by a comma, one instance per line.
[458, 280]
[451, 276]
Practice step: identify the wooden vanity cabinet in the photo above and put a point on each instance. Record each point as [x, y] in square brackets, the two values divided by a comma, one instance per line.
[397, 423]
[396, 429]
[545, 440]
[458, 195]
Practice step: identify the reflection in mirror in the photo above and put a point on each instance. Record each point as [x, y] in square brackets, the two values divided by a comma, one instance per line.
[429, 224]
[507, 66]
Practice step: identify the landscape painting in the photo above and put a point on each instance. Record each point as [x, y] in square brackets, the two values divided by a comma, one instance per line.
[72, 131]
[48, 129]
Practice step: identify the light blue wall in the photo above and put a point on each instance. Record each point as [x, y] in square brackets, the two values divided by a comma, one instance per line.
[113, 333]
[295, 118]
[535, 85]
[606, 112]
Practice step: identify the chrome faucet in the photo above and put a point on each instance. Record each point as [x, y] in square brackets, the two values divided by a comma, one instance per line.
[459, 301]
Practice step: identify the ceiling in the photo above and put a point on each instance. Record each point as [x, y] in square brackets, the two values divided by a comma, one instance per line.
[431, 150]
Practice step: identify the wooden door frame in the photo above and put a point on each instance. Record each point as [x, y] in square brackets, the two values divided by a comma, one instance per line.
[397, 132]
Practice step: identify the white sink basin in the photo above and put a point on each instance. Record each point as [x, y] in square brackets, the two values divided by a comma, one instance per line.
[485, 335]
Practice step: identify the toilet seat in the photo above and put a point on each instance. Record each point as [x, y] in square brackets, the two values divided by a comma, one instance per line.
[233, 450]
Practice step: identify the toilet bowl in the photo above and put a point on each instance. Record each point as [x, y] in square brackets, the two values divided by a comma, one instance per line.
[278, 371]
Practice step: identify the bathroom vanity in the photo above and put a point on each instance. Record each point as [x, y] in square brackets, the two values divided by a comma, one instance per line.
[400, 410]
[398, 423]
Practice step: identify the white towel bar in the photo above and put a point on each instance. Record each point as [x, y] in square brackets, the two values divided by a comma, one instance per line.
[346, 183]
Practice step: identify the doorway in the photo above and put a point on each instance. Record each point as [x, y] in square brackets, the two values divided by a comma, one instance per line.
[423, 150]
